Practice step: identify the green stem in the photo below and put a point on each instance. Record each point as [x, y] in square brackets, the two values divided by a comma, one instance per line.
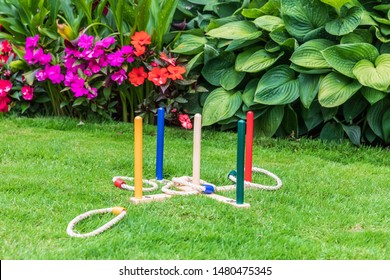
[124, 107]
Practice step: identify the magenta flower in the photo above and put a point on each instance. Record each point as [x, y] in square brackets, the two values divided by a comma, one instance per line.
[54, 74]
[44, 59]
[115, 59]
[85, 41]
[32, 56]
[78, 88]
[103, 61]
[27, 92]
[92, 93]
[127, 50]
[106, 42]
[119, 76]
[41, 75]
[32, 42]
[69, 78]
[87, 72]
[94, 66]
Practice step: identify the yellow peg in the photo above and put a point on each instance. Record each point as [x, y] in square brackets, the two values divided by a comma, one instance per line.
[138, 157]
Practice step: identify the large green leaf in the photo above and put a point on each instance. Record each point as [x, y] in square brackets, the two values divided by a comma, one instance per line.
[373, 95]
[375, 118]
[357, 36]
[354, 133]
[214, 69]
[308, 88]
[312, 116]
[348, 21]
[302, 17]
[268, 23]
[220, 105]
[309, 54]
[267, 124]
[231, 78]
[249, 93]
[236, 30]
[375, 75]
[344, 57]
[335, 3]
[255, 60]
[335, 89]
[386, 125]
[278, 86]
[189, 44]
[332, 132]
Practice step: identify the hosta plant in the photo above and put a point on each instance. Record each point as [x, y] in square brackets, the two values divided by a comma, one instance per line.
[305, 67]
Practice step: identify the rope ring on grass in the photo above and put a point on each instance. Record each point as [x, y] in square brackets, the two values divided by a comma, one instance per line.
[260, 186]
[119, 211]
[120, 182]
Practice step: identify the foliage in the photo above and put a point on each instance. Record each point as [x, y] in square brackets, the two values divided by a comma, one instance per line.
[318, 68]
[64, 29]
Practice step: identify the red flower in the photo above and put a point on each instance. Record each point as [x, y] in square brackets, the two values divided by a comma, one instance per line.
[139, 50]
[5, 87]
[140, 38]
[158, 76]
[175, 72]
[3, 60]
[137, 76]
[4, 104]
[6, 47]
[27, 92]
[171, 61]
[185, 121]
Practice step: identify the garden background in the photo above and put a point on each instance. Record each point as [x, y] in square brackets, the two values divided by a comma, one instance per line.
[307, 69]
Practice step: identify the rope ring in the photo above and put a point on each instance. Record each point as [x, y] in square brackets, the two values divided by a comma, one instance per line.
[167, 189]
[119, 211]
[123, 185]
[260, 186]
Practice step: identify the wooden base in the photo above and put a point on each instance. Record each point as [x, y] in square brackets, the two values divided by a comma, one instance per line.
[227, 200]
[150, 198]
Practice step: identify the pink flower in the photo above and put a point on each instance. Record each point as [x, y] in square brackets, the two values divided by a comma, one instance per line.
[185, 121]
[69, 78]
[32, 42]
[5, 87]
[119, 76]
[44, 59]
[115, 59]
[54, 74]
[78, 88]
[92, 93]
[85, 41]
[94, 66]
[106, 42]
[32, 56]
[127, 50]
[27, 92]
[41, 75]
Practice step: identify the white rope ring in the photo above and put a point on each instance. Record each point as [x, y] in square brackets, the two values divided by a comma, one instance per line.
[119, 181]
[119, 211]
[260, 186]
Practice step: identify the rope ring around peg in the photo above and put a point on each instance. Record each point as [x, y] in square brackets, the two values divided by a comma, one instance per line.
[120, 182]
[260, 186]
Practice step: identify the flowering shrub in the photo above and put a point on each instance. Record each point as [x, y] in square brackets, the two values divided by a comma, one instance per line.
[99, 73]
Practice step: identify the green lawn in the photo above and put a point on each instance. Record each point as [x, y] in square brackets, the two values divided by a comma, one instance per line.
[334, 203]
